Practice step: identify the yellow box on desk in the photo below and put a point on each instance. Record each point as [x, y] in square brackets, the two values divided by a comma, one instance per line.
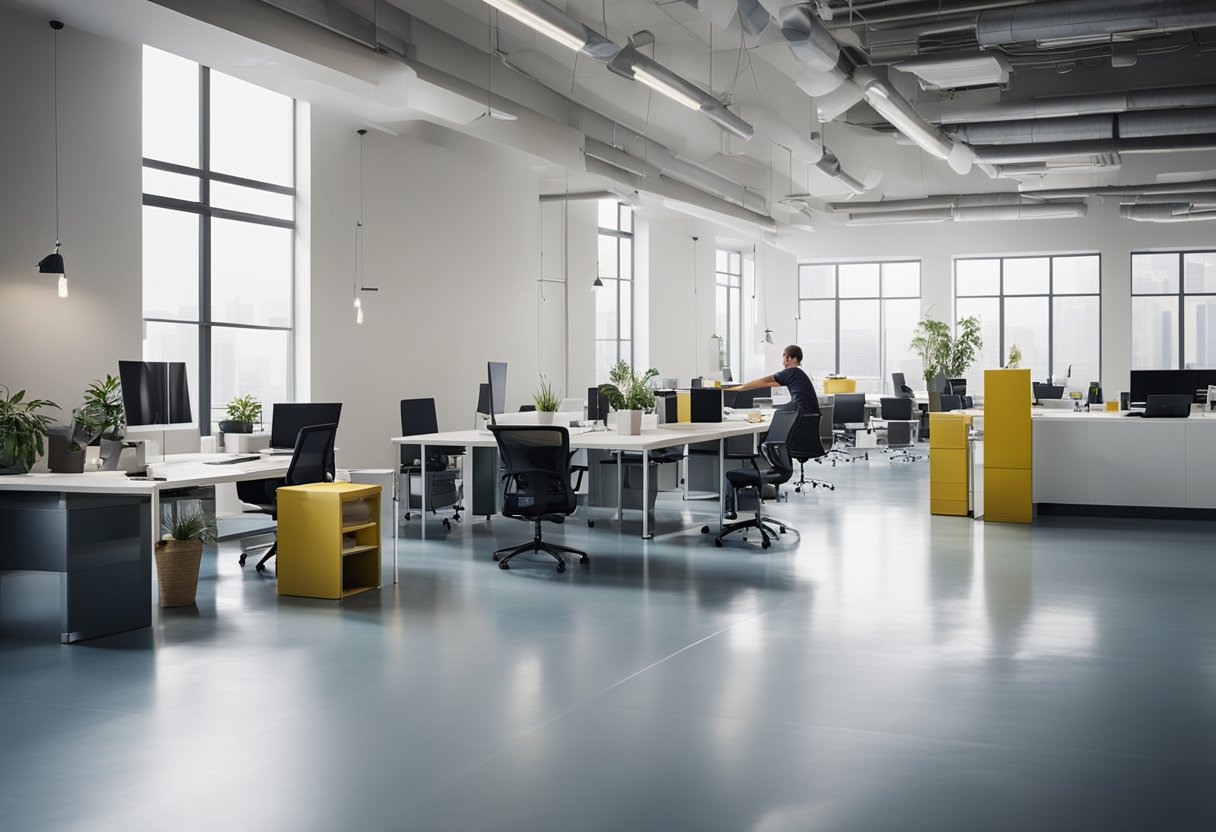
[329, 539]
[840, 385]
[949, 464]
[683, 406]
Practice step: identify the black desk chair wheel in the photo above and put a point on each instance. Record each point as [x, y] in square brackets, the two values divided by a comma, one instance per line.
[776, 449]
[536, 464]
[311, 461]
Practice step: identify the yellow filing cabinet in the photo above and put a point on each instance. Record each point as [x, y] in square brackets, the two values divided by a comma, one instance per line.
[1008, 460]
[683, 406]
[329, 539]
[840, 385]
[949, 466]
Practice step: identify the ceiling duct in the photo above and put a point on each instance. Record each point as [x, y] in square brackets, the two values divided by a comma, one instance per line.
[1087, 128]
[951, 72]
[386, 28]
[964, 212]
[953, 112]
[1170, 212]
[1068, 21]
[1017, 153]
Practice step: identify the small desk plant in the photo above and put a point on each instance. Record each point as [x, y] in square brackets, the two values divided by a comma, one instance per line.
[178, 554]
[22, 430]
[102, 408]
[630, 395]
[242, 412]
[546, 402]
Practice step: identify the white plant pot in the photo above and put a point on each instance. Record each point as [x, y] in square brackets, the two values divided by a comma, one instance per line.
[629, 422]
[544, 417]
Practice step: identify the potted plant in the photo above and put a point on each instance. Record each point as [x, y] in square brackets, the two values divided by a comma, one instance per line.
[178, 554]
[546, 402]
[103, 408]
[1015, 357]
[946, 353]
[22, 430]
[629, 395]
[242, 411]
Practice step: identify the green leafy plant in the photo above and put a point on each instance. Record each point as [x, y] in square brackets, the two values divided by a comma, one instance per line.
[626, 390]
[102, 408]
[22, 429]
[1015, 357]
[198, 526]
[245, 409]
[944, 352]
[544, 398]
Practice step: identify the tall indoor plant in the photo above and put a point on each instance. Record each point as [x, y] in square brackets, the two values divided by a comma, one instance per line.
[178, 554]
[629, 394]
[942, 351]
[22, 430]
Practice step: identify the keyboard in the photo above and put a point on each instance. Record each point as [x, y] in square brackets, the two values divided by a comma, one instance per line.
[277, 451]
[233, 461]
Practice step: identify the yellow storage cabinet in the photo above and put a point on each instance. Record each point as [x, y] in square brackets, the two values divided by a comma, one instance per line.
[949, 466]
[329, 539]
[1008, 461]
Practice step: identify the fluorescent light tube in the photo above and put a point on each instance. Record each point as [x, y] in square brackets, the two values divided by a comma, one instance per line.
[527, 16]
[659, 85]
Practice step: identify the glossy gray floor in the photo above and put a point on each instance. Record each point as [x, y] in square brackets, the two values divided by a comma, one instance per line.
[888, 670]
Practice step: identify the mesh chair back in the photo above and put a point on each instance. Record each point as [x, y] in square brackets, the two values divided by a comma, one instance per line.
[826, 437]
[536, 462]
[900, 434]
[893, 407]
[776, 448]
[850, 408]
[805, 442]
[313, 458]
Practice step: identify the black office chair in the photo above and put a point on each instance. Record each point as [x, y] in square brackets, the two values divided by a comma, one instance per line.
[418, 416]
[903, 424]
[807, 444]
[849, 415]
[776, 450]
[536, 464]
[311, 461]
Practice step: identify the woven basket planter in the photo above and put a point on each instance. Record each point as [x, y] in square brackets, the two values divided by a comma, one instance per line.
[177, 571]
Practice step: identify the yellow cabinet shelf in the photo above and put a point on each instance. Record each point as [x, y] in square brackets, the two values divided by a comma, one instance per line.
[329, 539]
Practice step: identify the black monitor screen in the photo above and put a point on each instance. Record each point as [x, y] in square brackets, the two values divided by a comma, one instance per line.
[958, 386]
[898, 380]
[1147, 383]
[497, 372]
[155, 392]
[286, 419]
[483, 399]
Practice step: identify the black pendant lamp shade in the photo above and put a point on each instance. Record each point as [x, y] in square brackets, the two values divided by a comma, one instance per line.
[52, 264]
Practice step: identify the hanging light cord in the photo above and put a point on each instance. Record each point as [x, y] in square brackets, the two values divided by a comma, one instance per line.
[358, 276]
[55, 121]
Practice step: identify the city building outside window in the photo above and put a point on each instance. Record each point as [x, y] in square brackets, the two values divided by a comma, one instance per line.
[614, 299]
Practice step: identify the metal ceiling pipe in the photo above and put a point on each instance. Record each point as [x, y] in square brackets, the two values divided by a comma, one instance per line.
[1014, 153]
[1199, 186]
[1196, 198]
[901, 13]
[975, 213]
[1075, 105]
[1174, 212]
[1072, 19]
[811, 42]
[1164, 123]
[1087, 128]
[944, 201]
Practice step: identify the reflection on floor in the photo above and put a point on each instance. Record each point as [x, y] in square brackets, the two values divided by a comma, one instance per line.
[884, 670]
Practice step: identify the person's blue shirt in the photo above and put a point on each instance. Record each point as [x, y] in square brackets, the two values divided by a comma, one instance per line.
[802, 391]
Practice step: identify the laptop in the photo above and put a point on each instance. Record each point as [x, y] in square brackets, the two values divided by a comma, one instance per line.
[1168, 407]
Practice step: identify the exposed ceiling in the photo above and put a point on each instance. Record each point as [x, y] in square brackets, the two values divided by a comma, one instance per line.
[794, 114]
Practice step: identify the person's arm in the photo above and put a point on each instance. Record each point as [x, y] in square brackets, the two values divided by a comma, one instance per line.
[756, 383]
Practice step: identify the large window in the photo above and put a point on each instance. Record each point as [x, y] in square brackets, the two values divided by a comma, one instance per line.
[218, 229]
[614, 299]
[728, 324]
[1173, 310]
[857, 319]
[1049, 307]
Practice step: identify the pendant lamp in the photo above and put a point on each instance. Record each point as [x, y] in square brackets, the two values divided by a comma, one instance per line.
[52, 264]
[359, 287]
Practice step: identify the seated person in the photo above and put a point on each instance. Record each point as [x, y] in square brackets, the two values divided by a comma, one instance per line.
[793, 378]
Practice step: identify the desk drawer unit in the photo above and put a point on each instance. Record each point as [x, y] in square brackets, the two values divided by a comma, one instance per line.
[948, 464]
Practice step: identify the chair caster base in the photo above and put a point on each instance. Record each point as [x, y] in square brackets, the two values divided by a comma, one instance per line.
[503, 565]
[242, 559]
[705, 530]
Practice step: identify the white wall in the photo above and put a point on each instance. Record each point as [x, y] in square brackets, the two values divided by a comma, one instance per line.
[681, 303]
[53, 347]
[452, 233]
[1102, 232]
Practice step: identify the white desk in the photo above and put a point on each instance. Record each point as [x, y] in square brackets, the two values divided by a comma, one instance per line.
[664, 436]
[91, 528]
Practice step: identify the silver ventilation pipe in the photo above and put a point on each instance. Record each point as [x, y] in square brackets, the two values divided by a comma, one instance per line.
[1015, 153]
[1064, 20]
[1170, 212]
[974, 213]
[954, 112]
[1088, 128]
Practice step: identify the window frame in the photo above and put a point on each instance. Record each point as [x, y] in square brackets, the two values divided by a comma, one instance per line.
[1050, 297]
[618, 235]
[733, 347]
[1181, 295]
[881, 298]
[206, 212]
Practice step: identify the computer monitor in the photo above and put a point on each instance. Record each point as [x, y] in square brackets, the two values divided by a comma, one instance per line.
[287, 418]
[897, 379]
[747, 398]
[597, 405]
[155, 392]
[496, 371]
[1047, 391]
[483, 399]
[1163, 406]
[1147, 383]
[958, 386]
[727, 375]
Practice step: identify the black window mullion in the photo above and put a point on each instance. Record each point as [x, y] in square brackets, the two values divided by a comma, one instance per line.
[1181, 313]
[204, 265]
[1051, 315]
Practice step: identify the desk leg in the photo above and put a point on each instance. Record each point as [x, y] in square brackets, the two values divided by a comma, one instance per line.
[154, 505]
[721, 483]
[422, 512]
[396, 513]
[646, 535]
[620, 486]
